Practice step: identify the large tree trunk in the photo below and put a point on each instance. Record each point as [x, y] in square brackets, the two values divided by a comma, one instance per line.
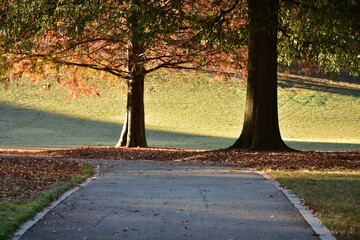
[261, 126]
[133, 132]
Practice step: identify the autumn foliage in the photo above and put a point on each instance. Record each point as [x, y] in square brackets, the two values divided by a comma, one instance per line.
[115, 36]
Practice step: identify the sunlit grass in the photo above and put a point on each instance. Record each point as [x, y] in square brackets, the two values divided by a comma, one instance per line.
[197, 104]
[311, 108]
[334, 195]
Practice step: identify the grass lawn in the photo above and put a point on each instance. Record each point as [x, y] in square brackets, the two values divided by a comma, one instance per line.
[183, 110]
[198, 111]
[334, 196]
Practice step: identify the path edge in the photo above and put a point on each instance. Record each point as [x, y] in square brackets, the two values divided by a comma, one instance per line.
[319, 228]
[29, 223]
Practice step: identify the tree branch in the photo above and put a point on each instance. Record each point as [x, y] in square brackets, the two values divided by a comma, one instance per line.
[116, 72]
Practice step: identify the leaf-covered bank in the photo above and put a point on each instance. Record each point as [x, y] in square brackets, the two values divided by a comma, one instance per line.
[27, 185]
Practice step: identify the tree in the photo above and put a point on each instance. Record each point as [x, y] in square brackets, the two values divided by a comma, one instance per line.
[321, 32]
[325, 33]
[132, 38]
[127, 39]
[261, 126]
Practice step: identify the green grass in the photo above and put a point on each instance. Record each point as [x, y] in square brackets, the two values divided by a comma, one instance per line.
[15, 212]
[183, 103]
[334, 195]
[323, 110]
[193, 110]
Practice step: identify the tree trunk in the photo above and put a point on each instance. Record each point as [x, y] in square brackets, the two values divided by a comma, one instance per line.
[261, 126]
[133, 132]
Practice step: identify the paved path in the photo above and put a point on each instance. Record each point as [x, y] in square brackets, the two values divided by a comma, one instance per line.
[173, 200]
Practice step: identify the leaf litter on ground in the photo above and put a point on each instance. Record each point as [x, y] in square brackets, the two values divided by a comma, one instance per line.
[26, 177]
[258, 160]
[35, 171]
[27, 173]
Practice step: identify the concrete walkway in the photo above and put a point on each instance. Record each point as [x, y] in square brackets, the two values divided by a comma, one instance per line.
[174, 200]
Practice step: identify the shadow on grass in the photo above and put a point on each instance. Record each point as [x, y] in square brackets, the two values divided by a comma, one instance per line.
[327, 87]
[322, 146]
[28, 128]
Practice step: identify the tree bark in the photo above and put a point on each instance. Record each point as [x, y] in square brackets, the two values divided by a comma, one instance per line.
[133, 132]
[261, 126]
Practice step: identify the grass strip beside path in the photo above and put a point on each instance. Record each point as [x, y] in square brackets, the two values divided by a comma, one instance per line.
[334, 196]
[27, 185]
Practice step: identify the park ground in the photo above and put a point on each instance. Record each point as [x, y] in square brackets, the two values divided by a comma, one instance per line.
[328, 182]
[183, 112]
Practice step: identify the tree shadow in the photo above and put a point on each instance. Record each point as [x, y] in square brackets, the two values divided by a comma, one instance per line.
[328, 87]
[21, 127]
[322, 146]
